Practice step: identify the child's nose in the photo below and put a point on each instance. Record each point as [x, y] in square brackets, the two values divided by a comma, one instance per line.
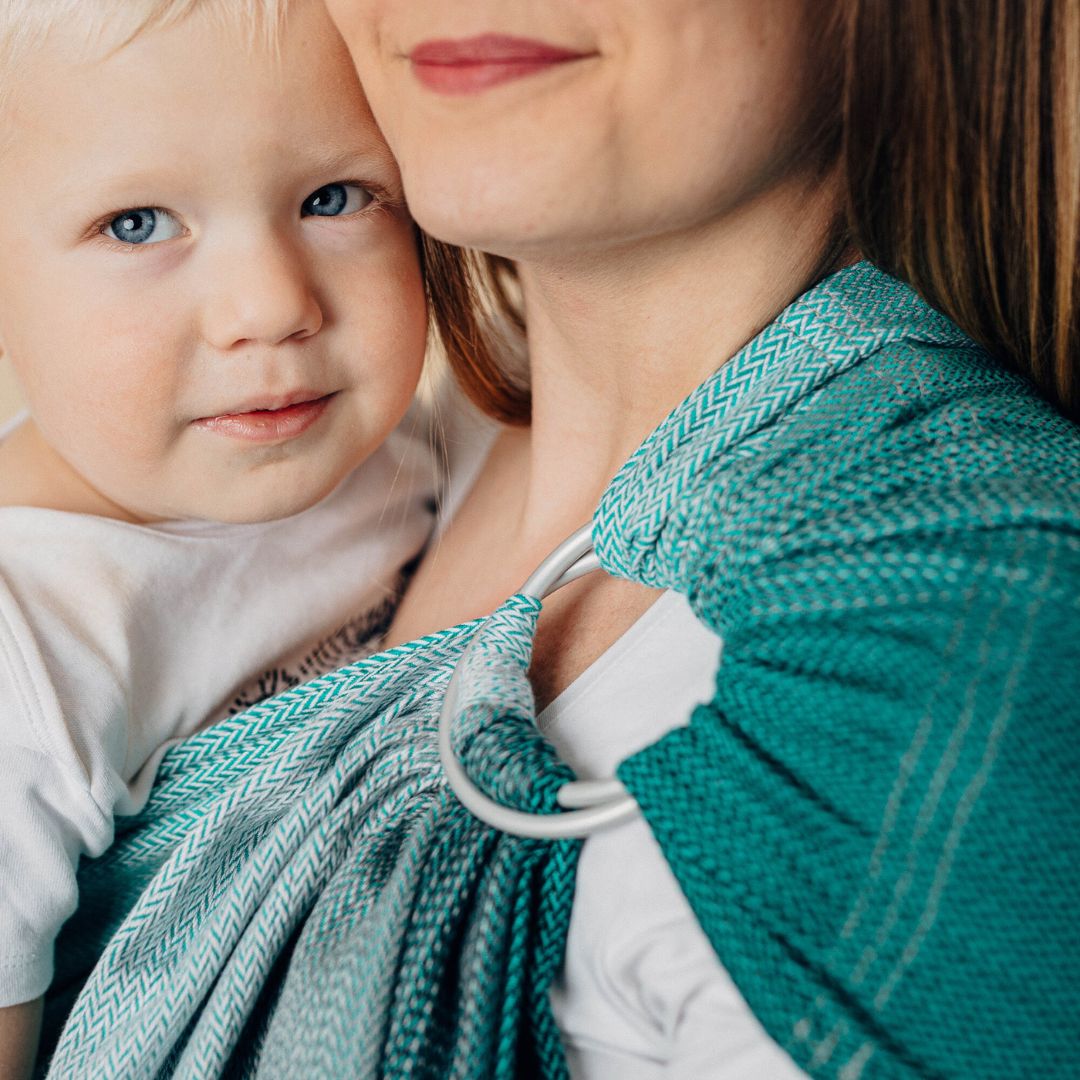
[264, 296]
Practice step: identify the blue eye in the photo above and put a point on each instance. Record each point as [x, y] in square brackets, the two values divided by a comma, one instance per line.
[333, 200]
[143, 226]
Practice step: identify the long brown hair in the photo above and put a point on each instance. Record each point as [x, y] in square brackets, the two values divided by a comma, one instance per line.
[475, 315]
[960, 143]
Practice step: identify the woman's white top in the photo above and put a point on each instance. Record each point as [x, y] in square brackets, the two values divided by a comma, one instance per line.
[117, 640]
[642, 995]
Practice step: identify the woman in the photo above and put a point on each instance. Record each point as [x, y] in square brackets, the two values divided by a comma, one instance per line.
[666, 177]
[876, 522]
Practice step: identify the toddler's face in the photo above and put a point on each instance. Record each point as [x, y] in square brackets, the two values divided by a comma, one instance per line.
[208, 283]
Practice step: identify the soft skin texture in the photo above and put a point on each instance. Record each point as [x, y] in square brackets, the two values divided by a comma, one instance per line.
[19, 1027]
[662, 203]
[119, 348]
[663, 207]
[677, 112]
[664, 197]
[246, 303]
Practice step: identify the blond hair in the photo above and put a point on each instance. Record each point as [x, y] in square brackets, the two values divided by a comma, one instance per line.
[103, 26]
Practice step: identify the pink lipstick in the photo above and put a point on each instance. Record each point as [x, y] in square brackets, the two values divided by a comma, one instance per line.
[470, 65]
[268, 425]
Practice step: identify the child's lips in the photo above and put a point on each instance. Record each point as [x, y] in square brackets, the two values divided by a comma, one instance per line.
[269, 424]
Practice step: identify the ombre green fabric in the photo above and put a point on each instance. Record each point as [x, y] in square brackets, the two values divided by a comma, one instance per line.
[875, 819]
[302, 897]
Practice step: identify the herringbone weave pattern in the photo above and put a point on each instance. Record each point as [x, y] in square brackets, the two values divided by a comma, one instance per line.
[302, 898]
[876, 819]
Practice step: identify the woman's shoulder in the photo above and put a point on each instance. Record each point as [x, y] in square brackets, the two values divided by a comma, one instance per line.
[860, 421]
[926, 438]
[883, 523]
[907, 434]
[915, 406]
[921, 469]
[951, 402]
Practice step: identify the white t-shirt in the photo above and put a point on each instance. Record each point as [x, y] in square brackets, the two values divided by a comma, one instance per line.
[117, 640]
[642, 995]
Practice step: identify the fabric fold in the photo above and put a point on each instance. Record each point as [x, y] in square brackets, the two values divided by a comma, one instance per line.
[302, 896]
[875, 819]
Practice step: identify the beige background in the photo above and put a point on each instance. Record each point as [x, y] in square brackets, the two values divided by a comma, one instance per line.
[9, 396]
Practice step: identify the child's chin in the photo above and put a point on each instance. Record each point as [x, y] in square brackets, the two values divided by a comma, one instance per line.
[283, 505]
[283, 499]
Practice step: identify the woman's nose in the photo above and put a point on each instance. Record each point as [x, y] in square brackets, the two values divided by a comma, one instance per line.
[263, 295]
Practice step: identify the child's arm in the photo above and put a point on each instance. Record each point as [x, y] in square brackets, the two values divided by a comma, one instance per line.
[20, 1026]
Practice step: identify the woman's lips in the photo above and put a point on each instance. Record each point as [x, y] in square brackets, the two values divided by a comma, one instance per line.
[268, 425]
[469, 65]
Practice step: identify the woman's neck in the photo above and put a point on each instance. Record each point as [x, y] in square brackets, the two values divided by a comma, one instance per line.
[617, 338]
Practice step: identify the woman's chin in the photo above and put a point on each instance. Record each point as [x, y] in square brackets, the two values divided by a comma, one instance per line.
[516, 222]
[498, 226]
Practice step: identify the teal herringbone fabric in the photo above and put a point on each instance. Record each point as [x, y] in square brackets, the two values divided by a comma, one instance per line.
[302, 898]
[875, 819]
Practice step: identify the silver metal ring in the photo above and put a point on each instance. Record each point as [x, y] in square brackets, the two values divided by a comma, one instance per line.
[591, 804]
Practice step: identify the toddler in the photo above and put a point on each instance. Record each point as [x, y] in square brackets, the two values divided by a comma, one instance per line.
[211, 297]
